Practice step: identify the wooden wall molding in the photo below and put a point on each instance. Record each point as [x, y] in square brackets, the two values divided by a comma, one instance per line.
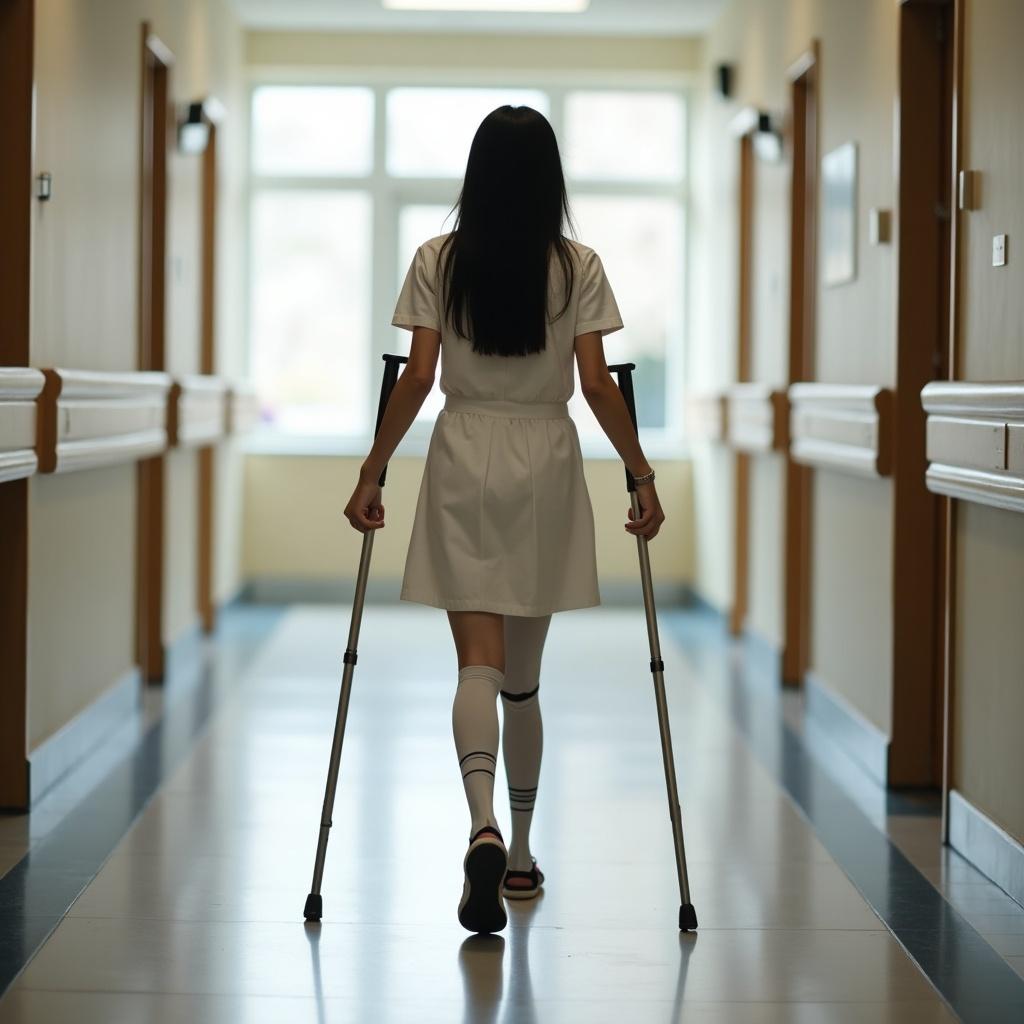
[757, 417]
[89, 418]
[706, 416]
[197, 410]
[845, 427]
[243, 409]
[19, 389]
[975, 443]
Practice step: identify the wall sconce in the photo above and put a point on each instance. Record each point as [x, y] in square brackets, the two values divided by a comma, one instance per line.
[763, 131]
[193, 130]
[767, 139]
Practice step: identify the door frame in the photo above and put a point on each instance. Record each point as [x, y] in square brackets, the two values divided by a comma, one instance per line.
[743, 128]
[157, 122]
[946, 632]
[212, 114]
[803, 76]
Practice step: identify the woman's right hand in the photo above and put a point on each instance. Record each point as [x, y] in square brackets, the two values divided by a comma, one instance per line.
[651, 515]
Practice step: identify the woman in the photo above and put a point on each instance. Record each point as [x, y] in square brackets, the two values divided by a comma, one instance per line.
[503, 534]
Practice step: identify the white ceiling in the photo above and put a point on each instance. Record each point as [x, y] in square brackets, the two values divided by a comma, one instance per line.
[604, 17]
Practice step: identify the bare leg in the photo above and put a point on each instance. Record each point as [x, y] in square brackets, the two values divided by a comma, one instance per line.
[523, 738]
[480, 645]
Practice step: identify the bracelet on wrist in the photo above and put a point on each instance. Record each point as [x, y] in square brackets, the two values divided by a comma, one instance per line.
[647, 478]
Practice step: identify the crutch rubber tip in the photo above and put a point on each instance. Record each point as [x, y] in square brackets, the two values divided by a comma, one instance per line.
[314, 909]
[687, 917]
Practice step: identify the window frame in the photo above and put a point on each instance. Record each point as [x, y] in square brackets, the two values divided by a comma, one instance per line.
[389, 194]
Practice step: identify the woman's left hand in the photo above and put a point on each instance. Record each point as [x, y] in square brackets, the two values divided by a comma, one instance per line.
[364, 510]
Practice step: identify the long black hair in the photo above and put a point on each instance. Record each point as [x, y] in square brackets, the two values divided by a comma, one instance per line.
[512, 206]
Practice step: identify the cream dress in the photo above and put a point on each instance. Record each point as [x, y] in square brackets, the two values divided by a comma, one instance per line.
[503, 520]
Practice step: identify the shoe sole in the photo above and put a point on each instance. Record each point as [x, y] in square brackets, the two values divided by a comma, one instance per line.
[482, 909]
[521, 894]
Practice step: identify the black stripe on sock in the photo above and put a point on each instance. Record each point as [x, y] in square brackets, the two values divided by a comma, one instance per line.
[517, 697]
[478, 753]
[521, 791]
[472, 770]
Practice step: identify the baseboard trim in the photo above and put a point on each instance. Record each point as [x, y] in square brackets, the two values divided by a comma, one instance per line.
[629, 594]
[766, 655]
[694, 599]
[185, 651]
[59, 753]
[616, 593]
[847, 728]
[991, 849]
[232, 598]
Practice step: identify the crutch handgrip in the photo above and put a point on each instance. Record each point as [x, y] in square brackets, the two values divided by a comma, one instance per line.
[391, 365]
[624, 371]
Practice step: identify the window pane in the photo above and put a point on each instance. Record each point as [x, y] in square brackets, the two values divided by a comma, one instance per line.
[312, 130]
[624, 135]
[640, 242]
[430, 130]
[417, 223]
[310, 309]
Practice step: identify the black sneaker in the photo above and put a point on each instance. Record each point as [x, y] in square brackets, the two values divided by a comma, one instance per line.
[482, 908]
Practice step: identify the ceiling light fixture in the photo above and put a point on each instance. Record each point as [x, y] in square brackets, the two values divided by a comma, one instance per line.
[505, 6]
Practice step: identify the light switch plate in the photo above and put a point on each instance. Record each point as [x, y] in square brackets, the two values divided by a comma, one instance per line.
[969, 197]
[879, 226]
[999, 250]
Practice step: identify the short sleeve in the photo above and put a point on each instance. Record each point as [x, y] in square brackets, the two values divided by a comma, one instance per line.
[598, 310]
[417, 301]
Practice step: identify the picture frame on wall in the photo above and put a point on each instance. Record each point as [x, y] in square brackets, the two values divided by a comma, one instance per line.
[839, 214]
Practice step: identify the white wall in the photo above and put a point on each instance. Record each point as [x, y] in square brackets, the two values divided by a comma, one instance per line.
[85, 316]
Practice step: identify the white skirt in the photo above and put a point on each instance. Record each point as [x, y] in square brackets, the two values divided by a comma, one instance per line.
[503, 521]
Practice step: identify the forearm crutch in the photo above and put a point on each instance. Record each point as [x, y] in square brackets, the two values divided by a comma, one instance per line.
[687, 915]
[314, 901]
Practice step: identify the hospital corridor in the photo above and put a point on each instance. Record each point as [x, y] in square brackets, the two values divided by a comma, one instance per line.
[264, 507]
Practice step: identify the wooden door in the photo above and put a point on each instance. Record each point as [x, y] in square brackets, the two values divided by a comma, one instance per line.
[923, 232]
[16, 50]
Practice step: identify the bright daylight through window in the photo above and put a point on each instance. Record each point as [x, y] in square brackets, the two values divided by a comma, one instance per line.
[336, 215]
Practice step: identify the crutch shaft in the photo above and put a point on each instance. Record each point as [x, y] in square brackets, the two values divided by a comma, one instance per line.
[314, 903]
[342, 716]
[658, 675]
[687, 915]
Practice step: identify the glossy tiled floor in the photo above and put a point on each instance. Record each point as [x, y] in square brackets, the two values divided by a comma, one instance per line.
[196, 915]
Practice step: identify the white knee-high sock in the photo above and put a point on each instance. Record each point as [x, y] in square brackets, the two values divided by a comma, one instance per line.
[475, 725]
[523, 737]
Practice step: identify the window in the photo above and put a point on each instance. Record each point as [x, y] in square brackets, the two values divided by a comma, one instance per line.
[346, 182]
[429, 131]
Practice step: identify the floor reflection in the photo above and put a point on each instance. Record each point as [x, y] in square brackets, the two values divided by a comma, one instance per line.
[312, 930]
[195, 916]
[481, 962]
[489, 999]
